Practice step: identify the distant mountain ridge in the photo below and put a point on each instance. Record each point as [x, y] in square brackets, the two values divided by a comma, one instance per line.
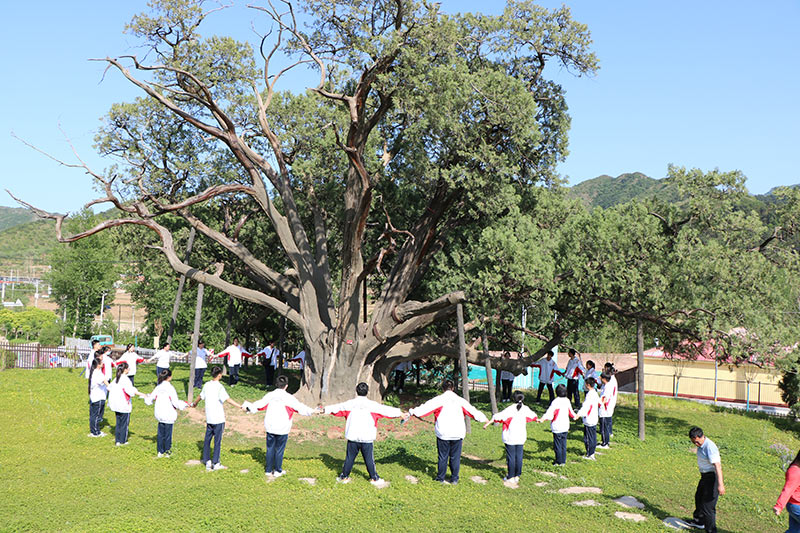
[13, 216]
[607, 191]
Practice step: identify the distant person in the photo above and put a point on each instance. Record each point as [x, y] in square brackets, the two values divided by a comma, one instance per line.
[234, 355]
[92, 353]
[167, 405]
[360, 430]
[120, 392]
[506, 381]
[514, 418]
[279, 406]
[590, 412]
[131, 358]
[790, 496]
[215, 396]
[400, 372]
[591, 372]
[449, 410]
[200, 364]
[574, 371]
[161, 357]
[606, 412]
[609, 369]
[548, 368]
[98, 392]
[711, 485]
[559, 414]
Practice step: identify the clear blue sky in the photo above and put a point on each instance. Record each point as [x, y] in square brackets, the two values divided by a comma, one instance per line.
[701, 84]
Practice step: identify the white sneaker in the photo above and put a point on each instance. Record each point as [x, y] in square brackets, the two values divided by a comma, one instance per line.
[279, 474]
[343, 480]
[604, 446]
[209, 466]
[590, 457]
[92, 435]
[160, 455]
[102, 434]
[219, 466]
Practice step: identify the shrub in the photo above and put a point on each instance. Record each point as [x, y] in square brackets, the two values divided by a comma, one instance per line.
[790, 388]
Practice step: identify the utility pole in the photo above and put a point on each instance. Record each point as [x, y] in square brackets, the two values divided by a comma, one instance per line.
[102, 305]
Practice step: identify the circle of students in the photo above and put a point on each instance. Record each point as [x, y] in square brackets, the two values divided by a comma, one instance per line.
[362, 415]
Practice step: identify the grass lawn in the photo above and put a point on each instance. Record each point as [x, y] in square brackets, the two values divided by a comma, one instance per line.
[53, 477]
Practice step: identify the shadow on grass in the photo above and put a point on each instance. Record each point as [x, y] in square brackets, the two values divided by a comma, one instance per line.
[656, 511]
[409, 461]
[783, 423]
[257, 453]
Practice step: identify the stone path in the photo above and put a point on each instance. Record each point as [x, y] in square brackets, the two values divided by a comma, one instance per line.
[541, 484]
[586, 503]
[635, 517]
[309, 480]
[411, 479]
[676, 523]
[511, 484]
[244, 471]
[193, 462]
[580, 490]
[479, 480]
[629, 502]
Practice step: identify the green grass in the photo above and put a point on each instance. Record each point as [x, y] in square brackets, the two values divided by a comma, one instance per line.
[52, 477]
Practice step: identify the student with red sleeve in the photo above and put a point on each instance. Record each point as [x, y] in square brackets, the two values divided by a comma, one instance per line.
[132, 359]
[574, 371]
[606, 410]
[590, 411]
[449, 409]
[360, 430]
[234, 355]
[166, 410]
[215, 396]
[120, 393]
[514, 417]
[790, 496]
[560, 413]
[279, 406]
[98, 392]
[548, 368]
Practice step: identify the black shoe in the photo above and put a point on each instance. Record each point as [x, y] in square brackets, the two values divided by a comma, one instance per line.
[691, 522]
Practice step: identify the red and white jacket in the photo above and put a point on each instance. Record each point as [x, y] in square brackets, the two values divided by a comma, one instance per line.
[449, 410]
[590, 410]
[514, 423]
[362, 416]
[547, 370]
[559, 413]
[614, 392]
[167, 403]
[575, 368]
[132, 358]
[279, 407]
[234, 354]
[606, 401]
[120, 394]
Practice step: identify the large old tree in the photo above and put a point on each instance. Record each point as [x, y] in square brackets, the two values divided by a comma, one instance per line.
[420, 124]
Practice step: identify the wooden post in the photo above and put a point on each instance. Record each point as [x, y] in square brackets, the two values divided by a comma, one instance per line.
[489, 380]
[198, 311]
[179, 294]
[462, 350]
[640, 374]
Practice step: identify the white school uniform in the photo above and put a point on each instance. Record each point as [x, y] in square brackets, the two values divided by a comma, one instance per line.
[167, 403]
[575, 368]
[514, 423]
[98, 391]
[89, 363]
[590, 410]
[162, 357]
[606, 403]
[301, 357]
[362, 416]
[120, 394]
[591, 373]
[559, 413]
[214, 394]
[547, 370]
[449, 410]
[132, 358]
[279, 407]
[234, 355]
[200, 359]
[614, 392]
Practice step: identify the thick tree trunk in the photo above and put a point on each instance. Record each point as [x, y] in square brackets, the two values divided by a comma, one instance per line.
[489, 381]
[462, 351]
[640, 375]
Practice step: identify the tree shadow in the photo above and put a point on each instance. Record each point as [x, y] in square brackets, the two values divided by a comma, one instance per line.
[335, 465]
[257, 453]
[409, 461]
[151, 438]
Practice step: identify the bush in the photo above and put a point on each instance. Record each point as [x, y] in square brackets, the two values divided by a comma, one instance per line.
[7, 359]
[790, 388]
[50, 334]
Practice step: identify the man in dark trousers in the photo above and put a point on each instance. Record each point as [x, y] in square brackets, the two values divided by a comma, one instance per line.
[711, 484]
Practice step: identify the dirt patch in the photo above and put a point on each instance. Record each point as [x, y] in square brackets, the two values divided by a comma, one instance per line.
[586, 503]
[580, 490]
[634, 517]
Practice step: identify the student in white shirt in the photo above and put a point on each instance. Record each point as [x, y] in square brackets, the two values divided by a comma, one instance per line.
[606, 411]
[360, 430]
[132, 359]
[120, 393]
[590, 411]
[591, 372]
[234, 354]
[609, 369]
[279, 406]
[449, 409]
[506, 381]
[573, 372]
[200, 364]
[92, 354]
[167, 405]
[560, 413]
[162, 359]
[299, 358]
[98, 391]
[514, 417]
[215, 396]
[547, 370]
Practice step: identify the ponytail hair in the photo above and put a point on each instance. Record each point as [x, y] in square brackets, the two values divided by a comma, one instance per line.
[121, 368]
[164, 375]
[518, 397]
[93, 367]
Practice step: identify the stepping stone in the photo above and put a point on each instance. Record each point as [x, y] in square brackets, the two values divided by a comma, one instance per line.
[586, 503]
[634, 517]
[310, 480]
[193, 462]
[549, 474]
[511, 484]
[244, 471]
[541, 484]
[562, 477]
[676, 523]
[380, 484]
[580, 490]
[479, 480]
[412, 479]
[629, 502]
